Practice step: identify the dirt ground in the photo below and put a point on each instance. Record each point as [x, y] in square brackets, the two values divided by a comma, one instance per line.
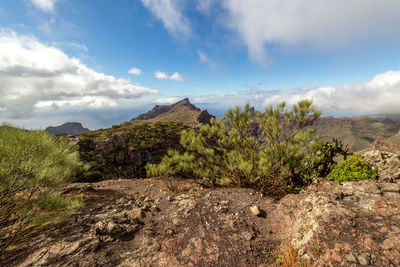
[149, 222]
[176, 223]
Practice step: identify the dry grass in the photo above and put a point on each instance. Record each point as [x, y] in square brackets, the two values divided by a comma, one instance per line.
[176, 186]
[289, 257]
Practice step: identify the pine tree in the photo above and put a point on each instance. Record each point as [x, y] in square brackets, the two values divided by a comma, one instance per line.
[227, 152]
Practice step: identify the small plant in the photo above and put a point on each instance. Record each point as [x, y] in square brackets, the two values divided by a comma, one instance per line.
[289, 257]
[175, 186]
[316, 249]
[355, 167]
[289, 212]
[279, 259]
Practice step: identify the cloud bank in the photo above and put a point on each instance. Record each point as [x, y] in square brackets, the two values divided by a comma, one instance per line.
[380, 95]
[321, 24]
[318, 23]
[34, 75]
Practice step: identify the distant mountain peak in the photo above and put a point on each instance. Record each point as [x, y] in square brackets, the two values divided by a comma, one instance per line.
[67, 128]
[182, 110]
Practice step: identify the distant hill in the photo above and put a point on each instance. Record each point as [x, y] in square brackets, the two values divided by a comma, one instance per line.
[358, 132]
[394, 117]
[72, 128]
[182, 111]
[389, 144]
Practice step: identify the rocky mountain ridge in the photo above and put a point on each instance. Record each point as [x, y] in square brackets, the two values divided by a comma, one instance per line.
[72, 128]
[182, 111]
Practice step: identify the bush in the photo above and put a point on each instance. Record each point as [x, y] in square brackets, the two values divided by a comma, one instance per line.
[355, 167]
[227, 152]
[321, 156]
[33, 167]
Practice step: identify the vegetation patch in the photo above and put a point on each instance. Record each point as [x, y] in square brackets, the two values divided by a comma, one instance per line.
[100, 149]
[282, 159]
[353, 168]
[34, 165]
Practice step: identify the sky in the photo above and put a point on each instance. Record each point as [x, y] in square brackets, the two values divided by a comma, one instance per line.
[103, 62]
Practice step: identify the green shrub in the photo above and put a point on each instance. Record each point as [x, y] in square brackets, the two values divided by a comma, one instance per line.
[355, 167]
[322, 154]
[227, 152]
[33, 167]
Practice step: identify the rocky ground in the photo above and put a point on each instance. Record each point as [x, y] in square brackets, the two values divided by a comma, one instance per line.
[149, 222]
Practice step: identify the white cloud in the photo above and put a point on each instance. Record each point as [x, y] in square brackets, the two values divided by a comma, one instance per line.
[161, 75]
[177, 77]
[164, 76]
[320, 23]
[135, 71]
[380, 95]
[170, 13]
[45, 5]
[34, 75]
[167, 100]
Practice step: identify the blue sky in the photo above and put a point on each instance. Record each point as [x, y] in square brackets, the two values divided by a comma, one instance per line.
[70, 60]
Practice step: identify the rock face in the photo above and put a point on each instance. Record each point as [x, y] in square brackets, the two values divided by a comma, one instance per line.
[72, 128]
[123, 152]
[334, 225]
[182, 111]
[387, 164]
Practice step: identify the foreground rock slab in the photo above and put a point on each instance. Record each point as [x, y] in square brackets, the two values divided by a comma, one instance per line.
[142, 223]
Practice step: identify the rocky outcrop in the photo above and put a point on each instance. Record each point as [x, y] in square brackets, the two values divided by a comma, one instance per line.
[72, 128]
[334, 225]
[387, 164]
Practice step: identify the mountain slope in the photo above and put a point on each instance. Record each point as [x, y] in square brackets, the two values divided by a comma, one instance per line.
[357, 132]
[182, 111]
[67, 128]
[390, 144]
